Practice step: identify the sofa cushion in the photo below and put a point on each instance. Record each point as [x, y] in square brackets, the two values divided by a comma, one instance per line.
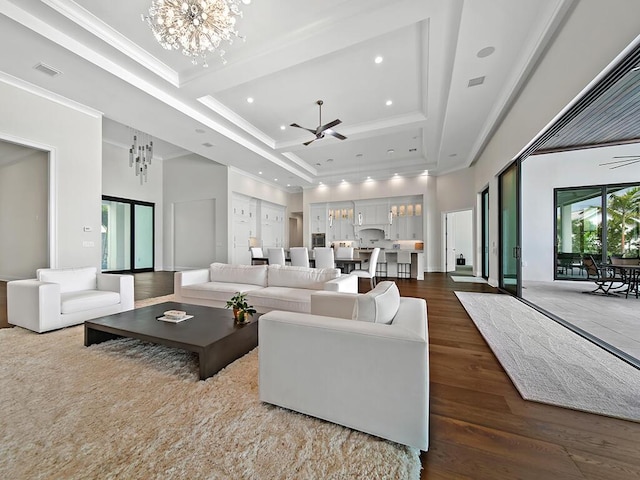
[300, 277]
[245, 274]
[220, 291]
[379, 305]
[281, 298]
[70, 279]
[80, 301]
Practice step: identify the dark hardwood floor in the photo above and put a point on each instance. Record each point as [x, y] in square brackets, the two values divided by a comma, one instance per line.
[480, 426]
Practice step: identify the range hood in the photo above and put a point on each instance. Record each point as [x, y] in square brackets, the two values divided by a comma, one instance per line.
[371, 232]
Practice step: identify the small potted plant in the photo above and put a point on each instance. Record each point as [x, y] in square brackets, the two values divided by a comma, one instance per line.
[241, 309]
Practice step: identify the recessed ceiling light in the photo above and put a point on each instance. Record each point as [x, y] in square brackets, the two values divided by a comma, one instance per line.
[453, 155]
[476, 81]
[259, 173]
[486, 51]
[282, 127]
[249, 99]
[391, 151]
[388, 103]
[368, 178]
[199, 130]
[207, 144]
[275, 179]
[320, 183]
[358, 155]
[318, 164]
[288, 184]
[246, 2]
[329, 159]
[378, 59]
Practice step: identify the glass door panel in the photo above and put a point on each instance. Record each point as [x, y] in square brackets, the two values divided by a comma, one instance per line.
[578, 230]
[116, 236]
[485, 234]
[623, 221]
[509, 230]
[143, 237]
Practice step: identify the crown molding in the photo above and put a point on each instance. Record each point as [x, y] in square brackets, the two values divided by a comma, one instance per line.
[225, 112]
[46, 94]
[97, 27]
[301, 163]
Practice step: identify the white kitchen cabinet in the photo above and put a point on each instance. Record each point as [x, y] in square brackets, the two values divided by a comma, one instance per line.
[319, 218]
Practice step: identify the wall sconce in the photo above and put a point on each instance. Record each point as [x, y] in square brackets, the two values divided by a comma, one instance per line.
[390, 217]
[359, 218]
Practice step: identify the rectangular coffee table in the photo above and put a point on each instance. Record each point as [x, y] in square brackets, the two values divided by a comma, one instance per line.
[211, 333]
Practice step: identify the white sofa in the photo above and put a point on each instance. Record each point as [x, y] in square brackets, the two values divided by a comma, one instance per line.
[268, 287]
[59, 298]
[358, 360]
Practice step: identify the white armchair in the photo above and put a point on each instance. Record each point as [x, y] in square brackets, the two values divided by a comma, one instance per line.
[58, 298]
[362, 373]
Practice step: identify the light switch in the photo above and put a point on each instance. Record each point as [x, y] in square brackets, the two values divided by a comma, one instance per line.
[87, 229]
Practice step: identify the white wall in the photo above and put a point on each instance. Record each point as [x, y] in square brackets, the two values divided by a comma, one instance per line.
[74, 137]
[24, 202]
[574, 58]
[195, 178]
[120, 180]
[540, 175]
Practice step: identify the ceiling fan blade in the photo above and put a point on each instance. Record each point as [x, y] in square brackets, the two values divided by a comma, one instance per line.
[328, 125]
[629, 162]
[310, 141]
[337, 135]
[304, 128]
[628, 156]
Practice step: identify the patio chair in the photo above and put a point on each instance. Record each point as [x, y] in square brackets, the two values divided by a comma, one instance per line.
[604, 276]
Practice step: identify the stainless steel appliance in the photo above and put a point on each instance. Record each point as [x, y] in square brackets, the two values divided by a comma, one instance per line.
[317, 240]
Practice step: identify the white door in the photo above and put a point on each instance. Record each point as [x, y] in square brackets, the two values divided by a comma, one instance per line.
[449, 242]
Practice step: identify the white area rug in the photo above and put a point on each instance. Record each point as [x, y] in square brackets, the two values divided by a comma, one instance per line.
[467, 279]
[128, 409]
[549, 364]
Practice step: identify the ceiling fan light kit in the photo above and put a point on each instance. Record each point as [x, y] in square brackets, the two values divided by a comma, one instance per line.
[322, 130]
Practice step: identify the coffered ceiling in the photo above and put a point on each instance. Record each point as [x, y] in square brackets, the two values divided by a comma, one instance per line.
[416, 110]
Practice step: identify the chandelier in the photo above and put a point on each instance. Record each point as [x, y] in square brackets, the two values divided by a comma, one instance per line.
[140, 153]
[195, 26]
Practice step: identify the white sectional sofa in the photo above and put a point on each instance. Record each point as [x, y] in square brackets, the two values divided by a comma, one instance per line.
[62, 297]
[268, 287]
[357, 360]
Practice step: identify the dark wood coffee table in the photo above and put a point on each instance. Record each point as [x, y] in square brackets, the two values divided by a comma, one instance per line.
[211, 333]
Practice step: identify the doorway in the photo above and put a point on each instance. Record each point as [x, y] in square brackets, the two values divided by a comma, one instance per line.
[128, 235]
[458, 242]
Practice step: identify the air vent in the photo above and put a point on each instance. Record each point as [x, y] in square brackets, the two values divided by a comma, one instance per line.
[476, 81]
[52, 72]
[207, 144]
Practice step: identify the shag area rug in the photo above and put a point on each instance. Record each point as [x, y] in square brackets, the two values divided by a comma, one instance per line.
[550, 364]
[132, 410]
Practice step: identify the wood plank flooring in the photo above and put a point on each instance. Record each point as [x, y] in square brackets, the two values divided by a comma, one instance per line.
[480, 426]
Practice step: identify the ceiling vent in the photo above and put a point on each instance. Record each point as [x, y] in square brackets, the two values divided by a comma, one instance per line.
[476, 81]
[44, 68]
[207, 144]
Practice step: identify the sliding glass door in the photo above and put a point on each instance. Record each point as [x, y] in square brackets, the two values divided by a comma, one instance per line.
[485, 234]
[509, 195]
[127, 235]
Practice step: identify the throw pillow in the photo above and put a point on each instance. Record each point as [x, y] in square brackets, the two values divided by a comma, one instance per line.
[380, 305]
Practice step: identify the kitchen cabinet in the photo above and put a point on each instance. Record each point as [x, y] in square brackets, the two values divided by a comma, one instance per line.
[319, 218]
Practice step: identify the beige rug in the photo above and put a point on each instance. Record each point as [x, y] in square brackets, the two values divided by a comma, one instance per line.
[131, 410]
[550, 364]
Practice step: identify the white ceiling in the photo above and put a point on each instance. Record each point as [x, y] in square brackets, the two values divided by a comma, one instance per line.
[296, 52]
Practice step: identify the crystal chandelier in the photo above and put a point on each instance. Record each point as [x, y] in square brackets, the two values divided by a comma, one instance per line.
[140, 153]
[195, 26]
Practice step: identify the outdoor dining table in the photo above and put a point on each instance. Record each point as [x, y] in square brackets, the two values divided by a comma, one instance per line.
[630, 275]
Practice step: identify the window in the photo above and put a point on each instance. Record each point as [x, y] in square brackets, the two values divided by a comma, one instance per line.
[582, 229]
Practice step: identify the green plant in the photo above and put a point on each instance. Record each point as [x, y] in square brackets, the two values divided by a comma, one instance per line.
[239, 303]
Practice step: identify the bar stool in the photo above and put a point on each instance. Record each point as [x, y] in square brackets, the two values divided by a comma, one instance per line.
[404, 264]
[381, 267]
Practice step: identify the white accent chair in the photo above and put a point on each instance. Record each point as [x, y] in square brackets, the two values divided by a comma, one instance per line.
[370, 272]
[59, 298]
[344, 253]
[299, 257]
[358, 360]
[276, 256]
[257, 256]
[324, 257]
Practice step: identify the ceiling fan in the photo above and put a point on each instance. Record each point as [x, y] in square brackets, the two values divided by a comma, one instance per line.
[626, 160]
[322, 130]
